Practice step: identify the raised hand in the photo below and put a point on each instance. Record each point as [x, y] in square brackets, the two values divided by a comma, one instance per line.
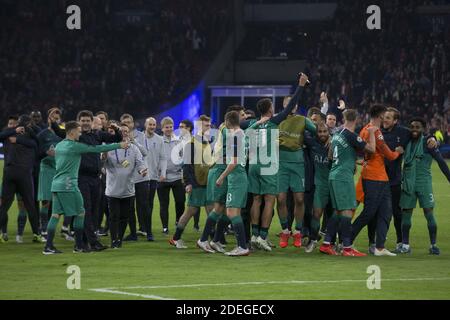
[114, 126]
[303, 80]
[323, 97]
[432, 143]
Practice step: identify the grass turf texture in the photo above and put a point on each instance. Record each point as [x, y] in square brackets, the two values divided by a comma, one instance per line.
[158, 270]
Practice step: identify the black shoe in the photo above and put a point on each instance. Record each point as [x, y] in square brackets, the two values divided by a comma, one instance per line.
[197, 228]
[150, 237]
[165, 231]
[98, 247]
[115, 244]
[102, 233]
[81, 250]
[131, 237]
[50, 250]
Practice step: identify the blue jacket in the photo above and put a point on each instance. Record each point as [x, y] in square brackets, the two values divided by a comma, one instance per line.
[397, 136]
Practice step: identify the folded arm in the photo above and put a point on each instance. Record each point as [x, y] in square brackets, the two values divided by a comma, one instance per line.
[5, 134]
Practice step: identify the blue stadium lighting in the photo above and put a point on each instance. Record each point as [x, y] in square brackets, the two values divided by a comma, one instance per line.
[190, 108]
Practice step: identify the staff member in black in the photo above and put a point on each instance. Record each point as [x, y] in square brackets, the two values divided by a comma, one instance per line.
[89, 180]
[21, 144]
[37, 125]
[396, 135]
[103, 208]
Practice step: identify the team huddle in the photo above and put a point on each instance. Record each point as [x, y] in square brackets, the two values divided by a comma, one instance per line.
[305, 166]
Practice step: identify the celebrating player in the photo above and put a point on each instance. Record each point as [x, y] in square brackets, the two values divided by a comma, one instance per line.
[263, 173]
[21, 145]
[47, 143]
[13, 122]
[291, 175]
[197, 159]
[417, 183]
[67, 199]
[344, 145]
[217, 194]
[319, 151]
[375, 182]
[236, 178]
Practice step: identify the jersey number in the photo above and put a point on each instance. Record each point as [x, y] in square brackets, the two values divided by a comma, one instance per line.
[263, 137]
[335, 154]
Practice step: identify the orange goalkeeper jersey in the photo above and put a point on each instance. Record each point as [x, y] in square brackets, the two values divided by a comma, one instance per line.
[373, 167]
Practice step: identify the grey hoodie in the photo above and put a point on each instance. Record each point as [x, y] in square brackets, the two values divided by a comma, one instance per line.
[174, 159]
[119, 179]
[136, 134]
[155, 159]
[137, 177]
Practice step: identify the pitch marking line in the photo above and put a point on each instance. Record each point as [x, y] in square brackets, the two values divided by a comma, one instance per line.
[115, 290]
[131, 294]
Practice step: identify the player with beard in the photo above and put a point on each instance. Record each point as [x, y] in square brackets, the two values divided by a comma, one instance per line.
[417, 183]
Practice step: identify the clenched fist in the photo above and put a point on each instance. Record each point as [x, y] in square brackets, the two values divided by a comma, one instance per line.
[303, 80]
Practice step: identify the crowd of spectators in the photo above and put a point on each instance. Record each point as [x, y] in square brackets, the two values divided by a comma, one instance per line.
[118, 65]
[130, 56]
[405, 64]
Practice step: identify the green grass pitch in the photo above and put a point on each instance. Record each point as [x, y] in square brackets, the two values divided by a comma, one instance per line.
[145, 270]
